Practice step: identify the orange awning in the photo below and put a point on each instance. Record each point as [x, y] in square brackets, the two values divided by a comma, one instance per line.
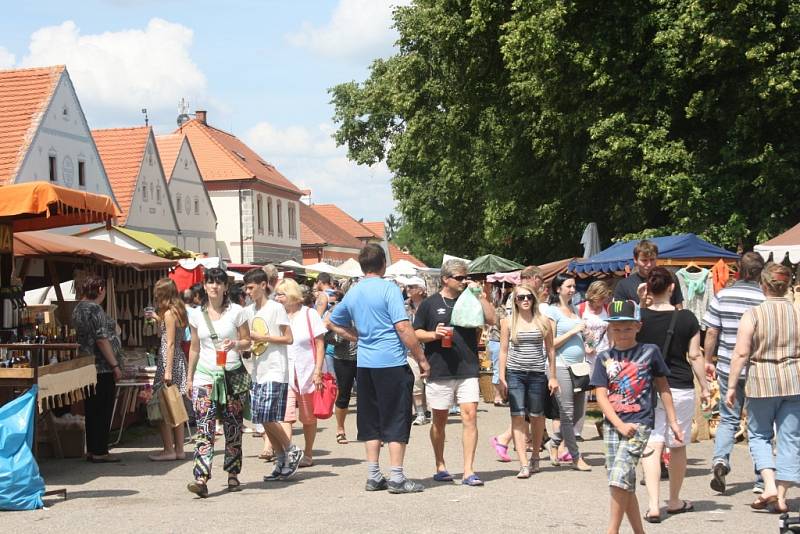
[41, 205]
[56, 247]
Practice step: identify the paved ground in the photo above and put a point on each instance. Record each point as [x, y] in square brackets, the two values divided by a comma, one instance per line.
[141, 496]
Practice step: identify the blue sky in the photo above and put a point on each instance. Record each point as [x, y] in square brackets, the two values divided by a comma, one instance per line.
[261, 69]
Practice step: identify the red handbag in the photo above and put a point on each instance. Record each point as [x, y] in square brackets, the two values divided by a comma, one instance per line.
[324, 398]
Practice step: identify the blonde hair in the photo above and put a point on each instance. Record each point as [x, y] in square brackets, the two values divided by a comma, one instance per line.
[291, 289]
[776, 278]
[539, 320]
[167, 298]
[598, 290]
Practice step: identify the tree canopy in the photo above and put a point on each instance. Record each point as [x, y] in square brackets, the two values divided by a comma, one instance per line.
[508, 126]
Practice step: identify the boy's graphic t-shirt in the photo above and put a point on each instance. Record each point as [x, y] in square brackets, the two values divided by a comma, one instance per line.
[628, 376]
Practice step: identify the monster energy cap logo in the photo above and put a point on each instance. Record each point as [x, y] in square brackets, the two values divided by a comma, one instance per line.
[623, 310]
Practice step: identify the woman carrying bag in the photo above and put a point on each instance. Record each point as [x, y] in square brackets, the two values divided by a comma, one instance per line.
[171, 363]
[220, 383]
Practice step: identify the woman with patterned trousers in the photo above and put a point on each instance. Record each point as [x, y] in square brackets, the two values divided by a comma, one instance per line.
[219, 331]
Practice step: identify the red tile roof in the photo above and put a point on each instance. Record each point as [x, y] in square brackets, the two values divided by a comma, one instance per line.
[24, 97]
[395, 254]
[169, 146]
[376, 228]
[222, 156]
[316, 229]
[344, 221]
[122, 151]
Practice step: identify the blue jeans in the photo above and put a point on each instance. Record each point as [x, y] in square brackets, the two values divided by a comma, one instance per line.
[527, 392]
[729, 419]
[494, 354]
[782, 413]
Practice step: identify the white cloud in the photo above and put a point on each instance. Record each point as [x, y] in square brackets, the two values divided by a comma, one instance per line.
[7, 59]
[358, 30]
[122, 70]
[310, 158]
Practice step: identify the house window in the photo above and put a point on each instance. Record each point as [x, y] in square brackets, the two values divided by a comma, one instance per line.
[269, 216]
[144, 192]
[158, 194]
[185, 163]
[279, 213]
[82, 173]
[259, 215]
[291, 211]
[196, 206]
[178, 203]
[52, 161]
[152, 192]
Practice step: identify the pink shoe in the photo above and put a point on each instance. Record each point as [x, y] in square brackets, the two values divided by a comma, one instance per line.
[566, 457]
[500, 449]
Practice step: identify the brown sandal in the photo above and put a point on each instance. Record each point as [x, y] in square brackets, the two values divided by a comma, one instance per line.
[762, 504]
[341, 438]
[233, 483]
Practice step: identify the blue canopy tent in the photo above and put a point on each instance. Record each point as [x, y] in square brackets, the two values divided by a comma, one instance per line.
[677, 247]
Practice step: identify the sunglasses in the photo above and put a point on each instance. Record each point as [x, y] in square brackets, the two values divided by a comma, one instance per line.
[521, 298]
[460, 278]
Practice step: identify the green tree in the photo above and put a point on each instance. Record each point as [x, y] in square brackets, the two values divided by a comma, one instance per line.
[509, 126]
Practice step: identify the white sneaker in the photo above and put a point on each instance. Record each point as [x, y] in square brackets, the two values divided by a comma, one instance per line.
[420, 420]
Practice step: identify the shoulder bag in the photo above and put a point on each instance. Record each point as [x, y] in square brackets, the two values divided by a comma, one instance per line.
[323, 399]
[579, 375]
[670, 332]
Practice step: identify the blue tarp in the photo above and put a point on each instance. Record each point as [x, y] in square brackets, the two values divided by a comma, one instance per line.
[21, 486]
[619, 255]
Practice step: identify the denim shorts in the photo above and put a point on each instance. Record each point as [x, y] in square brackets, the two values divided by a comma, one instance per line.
[527, 392]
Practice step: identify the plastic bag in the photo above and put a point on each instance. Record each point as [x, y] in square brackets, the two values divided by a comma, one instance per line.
[467, 311]
[21, 485]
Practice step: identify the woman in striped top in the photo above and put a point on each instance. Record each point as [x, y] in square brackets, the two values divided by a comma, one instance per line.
[768, 341]
[526, 344]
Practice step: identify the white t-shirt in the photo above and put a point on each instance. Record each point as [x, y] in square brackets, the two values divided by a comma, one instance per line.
[272, 365]
[301, 353]
[226, 327]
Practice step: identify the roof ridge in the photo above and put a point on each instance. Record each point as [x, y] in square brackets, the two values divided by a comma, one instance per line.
[120, 128]
[28, 69]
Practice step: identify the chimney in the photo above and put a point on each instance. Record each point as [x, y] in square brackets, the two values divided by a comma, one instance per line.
[200, 115]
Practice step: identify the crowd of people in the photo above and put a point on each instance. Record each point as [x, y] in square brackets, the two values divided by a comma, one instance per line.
[258, 352]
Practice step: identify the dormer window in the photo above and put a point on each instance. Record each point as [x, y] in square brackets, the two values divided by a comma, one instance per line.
[158, 194]
[178, 203]
[144, 192]
[196, 206]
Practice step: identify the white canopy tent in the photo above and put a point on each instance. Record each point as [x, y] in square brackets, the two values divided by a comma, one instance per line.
[351, 268]
[323, 267]
[292, 263]
[786, 244]
[401, 268]
[47, 295]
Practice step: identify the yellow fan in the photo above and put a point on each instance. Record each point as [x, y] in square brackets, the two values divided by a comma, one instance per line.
[259, 327]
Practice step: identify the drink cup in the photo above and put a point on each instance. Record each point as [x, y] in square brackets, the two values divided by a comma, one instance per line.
[222, 354]
[447, 340]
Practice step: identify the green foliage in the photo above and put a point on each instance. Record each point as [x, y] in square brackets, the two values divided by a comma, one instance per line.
[511, 125]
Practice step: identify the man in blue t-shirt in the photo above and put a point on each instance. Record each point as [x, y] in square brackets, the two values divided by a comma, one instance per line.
[625, 377]
[384, 379]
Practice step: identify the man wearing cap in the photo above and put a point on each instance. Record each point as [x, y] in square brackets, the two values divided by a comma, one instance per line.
[415, 290]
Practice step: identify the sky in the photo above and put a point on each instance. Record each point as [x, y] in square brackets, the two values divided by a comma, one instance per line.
[262, 70]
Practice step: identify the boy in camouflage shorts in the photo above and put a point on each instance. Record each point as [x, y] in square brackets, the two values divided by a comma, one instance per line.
[624, 377]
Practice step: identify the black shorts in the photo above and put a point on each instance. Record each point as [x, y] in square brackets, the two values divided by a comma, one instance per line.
[384, 403]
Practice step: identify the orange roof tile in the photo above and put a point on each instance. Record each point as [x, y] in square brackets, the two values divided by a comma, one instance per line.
[395, 254]
[122, 150]
[344, 221]
[24, 97]
[222, 156]
[169, 146]
[376, 227]
[316, 229]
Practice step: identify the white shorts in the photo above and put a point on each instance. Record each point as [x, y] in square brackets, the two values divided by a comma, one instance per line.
[683, 399]
[442, 394]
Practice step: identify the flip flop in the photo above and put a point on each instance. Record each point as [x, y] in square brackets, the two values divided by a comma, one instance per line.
[472, 480]
[443, 476]
[687, 507]
[500, 449]
[341, 438]
[651, 518]
[762, 504]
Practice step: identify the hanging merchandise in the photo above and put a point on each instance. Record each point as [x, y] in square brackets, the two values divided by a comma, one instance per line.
[720, 273]
[697, 287]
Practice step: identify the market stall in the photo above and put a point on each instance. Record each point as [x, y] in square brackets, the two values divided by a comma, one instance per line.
[779, 248]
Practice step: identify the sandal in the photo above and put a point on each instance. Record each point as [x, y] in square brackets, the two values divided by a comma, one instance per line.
[651, 518]
[500, 449]
[442, 476]
[268, 456]
[199, 488]
[306, 462]
[472, 480]
[762, 504]
[233, 483]
[341, 438]
[524, 472]
[686, 507]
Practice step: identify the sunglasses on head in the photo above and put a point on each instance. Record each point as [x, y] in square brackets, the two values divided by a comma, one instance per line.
[459, 278]
[526, 296]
